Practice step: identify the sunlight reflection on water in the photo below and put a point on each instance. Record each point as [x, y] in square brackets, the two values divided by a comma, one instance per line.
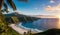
[58, 25]
[47, 23]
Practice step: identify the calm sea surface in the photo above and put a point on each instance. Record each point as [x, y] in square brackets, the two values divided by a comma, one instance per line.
[42, 24]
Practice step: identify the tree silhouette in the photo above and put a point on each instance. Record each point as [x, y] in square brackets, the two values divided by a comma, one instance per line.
[4, 29]
[5, 4]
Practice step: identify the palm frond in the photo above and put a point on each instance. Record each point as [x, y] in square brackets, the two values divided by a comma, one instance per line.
[2, 10]
[11, 3]
[6, 10]
[6, 7]
[1, 3]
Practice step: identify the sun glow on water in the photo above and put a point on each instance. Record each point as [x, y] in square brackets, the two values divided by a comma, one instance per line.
[58, 21]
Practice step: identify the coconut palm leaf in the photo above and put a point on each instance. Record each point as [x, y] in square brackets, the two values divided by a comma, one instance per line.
[11, 3]
[6, 10]
[1, 3]
[6, 7]
[2, 10]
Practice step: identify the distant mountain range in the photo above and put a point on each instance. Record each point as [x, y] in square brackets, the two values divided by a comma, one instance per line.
[37, 16]
[21, 17]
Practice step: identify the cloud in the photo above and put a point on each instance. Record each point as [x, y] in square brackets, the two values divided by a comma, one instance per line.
[48, 8]
[52, 1]
[35, 8]
[52, 9]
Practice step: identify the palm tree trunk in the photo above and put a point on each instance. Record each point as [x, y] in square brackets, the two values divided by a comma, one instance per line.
[1, 3]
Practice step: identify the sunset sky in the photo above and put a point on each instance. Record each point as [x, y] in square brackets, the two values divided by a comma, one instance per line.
[38, 7]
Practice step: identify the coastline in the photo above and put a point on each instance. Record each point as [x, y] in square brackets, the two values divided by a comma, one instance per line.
[33, 30]
[17, 29]
[21, 30]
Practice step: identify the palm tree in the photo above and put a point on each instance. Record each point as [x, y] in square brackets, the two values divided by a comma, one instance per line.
[4, 4]
[1, 2]
[10, 3]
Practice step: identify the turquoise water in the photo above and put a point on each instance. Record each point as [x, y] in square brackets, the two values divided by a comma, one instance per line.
[31, 25]
[28, 25]
[41, 24]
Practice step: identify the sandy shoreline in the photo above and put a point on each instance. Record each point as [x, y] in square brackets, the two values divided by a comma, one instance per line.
[18, 29]
[21, 30]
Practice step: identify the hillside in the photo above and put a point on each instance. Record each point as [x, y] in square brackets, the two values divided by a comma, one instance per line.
[21, 17]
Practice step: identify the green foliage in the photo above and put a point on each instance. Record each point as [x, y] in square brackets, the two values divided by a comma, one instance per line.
[15, 19]
[29, 32]
[4, 29]
[24, 33]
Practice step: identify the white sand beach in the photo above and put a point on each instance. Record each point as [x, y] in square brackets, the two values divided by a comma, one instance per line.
[18, 29]
[21, 30]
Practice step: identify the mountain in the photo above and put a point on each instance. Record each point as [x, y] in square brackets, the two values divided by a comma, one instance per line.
[21, 17]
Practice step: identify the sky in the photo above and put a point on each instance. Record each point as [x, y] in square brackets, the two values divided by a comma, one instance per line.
[38, 7]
